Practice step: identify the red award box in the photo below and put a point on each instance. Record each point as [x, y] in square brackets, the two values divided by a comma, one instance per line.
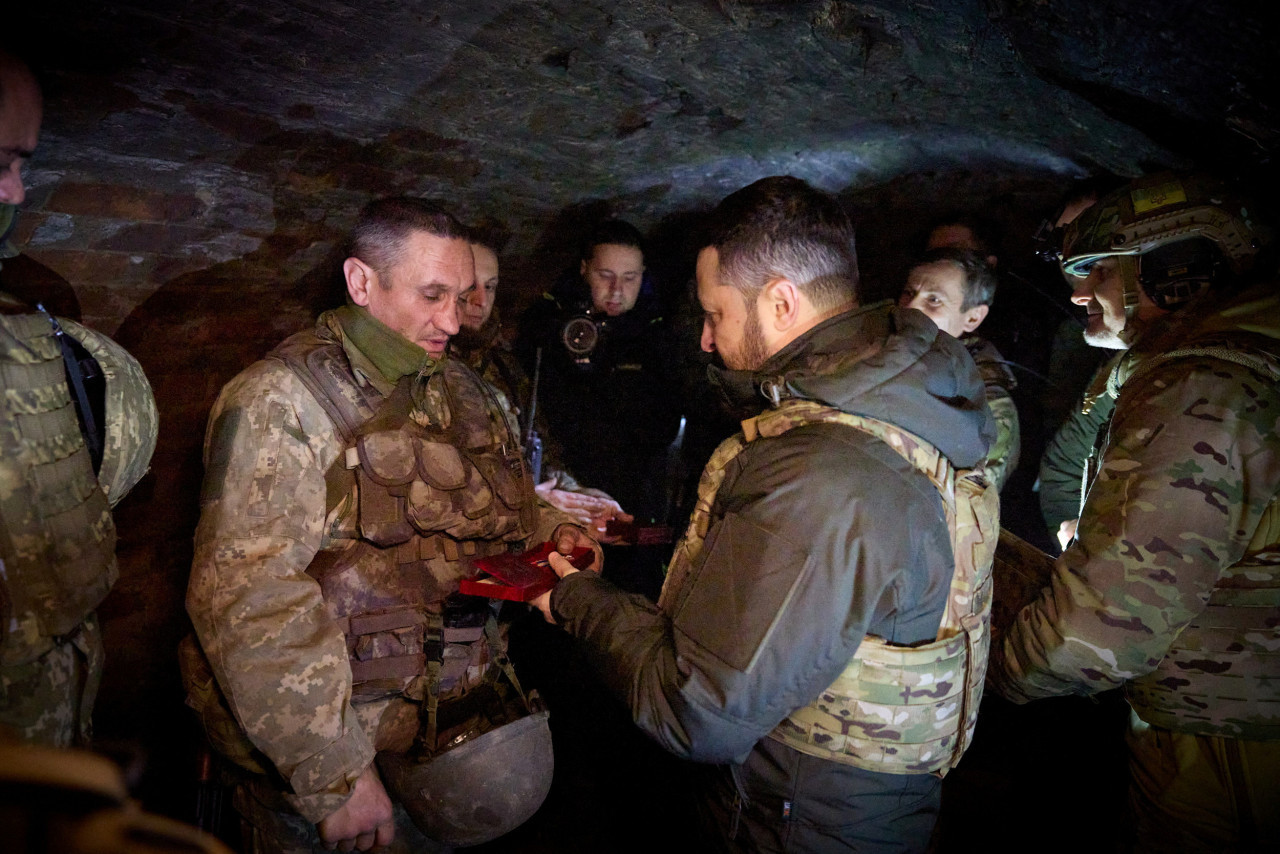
[519, 578]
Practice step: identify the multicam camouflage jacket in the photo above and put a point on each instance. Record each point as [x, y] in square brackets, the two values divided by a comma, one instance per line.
[999, 382]
[276, 645]
[1172, 588]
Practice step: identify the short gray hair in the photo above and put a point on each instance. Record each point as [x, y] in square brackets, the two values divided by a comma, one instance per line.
[379, 235]
[978, 280]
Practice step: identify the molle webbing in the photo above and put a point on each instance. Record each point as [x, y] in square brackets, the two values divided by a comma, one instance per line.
[418, 493]
[900, 710]
[57, 538]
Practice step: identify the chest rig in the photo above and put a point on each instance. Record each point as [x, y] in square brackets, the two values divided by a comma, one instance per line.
[431, 475]
[894, 709]
[57, 538]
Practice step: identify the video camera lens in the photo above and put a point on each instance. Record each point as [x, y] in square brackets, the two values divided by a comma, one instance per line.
[580, 335]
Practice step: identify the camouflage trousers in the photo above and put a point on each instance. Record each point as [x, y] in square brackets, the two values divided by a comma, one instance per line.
[50, 700]
[269, 826]
[1202, 793]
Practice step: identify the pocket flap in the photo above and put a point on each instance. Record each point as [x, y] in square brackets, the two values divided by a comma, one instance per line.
[440, 465]
[387, 457]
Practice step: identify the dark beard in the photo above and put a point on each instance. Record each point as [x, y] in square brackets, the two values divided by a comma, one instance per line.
[754, 352]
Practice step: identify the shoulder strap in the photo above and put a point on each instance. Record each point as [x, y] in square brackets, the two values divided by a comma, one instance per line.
[322, 366]
[1235, 355]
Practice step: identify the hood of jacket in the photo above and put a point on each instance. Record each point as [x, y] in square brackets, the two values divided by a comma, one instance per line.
[882, 362]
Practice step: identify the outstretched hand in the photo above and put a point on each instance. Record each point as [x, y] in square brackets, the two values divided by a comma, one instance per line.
[365, 821]
[566, 539]
[592, 511]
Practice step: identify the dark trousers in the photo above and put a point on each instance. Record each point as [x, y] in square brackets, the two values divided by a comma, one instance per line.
[781, 800]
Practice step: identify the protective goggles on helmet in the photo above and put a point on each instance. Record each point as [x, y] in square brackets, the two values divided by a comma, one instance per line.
[1151, 213]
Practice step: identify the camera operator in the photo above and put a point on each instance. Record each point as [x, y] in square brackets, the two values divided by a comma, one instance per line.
[602, 388]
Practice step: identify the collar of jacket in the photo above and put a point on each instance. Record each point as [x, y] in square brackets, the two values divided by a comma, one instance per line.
[840, 340]
[8, 224]
[882, 362]
[1245, 315]
[381, 353]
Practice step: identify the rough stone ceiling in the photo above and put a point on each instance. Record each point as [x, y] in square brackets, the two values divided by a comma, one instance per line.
[201, 161]
[524, 108]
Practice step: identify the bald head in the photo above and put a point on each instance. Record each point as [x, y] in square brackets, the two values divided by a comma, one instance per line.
[21, 109]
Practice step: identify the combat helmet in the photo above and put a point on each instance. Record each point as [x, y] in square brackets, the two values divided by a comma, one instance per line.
[131, 420]
[1175, 236]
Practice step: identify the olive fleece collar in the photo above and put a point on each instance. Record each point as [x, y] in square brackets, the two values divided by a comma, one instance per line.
[389, 352]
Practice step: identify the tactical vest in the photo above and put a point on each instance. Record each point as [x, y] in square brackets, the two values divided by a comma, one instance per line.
[429, 478]
[894, 709]
[57, 538]
[1218, 677]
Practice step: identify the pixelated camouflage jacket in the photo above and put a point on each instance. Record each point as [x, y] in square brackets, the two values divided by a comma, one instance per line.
[1172, 588]
[57, 536]
[999, 382]
[817, 538]
[278, 655]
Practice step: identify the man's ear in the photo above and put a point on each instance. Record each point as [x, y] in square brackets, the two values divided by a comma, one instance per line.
[361, 278]
[973, 317]
[781, 300]
[582, 269]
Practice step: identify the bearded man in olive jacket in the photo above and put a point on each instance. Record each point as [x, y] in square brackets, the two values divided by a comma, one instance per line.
[816, 538]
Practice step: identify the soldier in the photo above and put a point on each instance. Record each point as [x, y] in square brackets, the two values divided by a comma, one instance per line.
[1171, 589]
[955, 288]
[835, 566]
[479, 342]
[348, 478]
[77, 428]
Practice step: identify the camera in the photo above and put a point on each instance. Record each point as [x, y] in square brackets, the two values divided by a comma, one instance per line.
[582, 333]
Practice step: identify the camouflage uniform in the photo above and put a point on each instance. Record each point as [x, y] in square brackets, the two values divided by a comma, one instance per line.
[999, 382]
[268, 592]
[1172, 589]
[816, 538]
[57, 537]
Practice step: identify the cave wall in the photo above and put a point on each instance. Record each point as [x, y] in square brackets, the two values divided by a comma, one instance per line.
[200, 163]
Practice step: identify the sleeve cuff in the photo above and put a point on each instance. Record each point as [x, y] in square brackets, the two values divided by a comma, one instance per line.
[322, 783]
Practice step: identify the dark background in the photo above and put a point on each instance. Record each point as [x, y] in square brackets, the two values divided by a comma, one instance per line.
[200, 163]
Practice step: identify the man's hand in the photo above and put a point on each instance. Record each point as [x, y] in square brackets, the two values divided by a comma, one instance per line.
[365, 821]
[1067, 532]
[590, 511]
[567, 538]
